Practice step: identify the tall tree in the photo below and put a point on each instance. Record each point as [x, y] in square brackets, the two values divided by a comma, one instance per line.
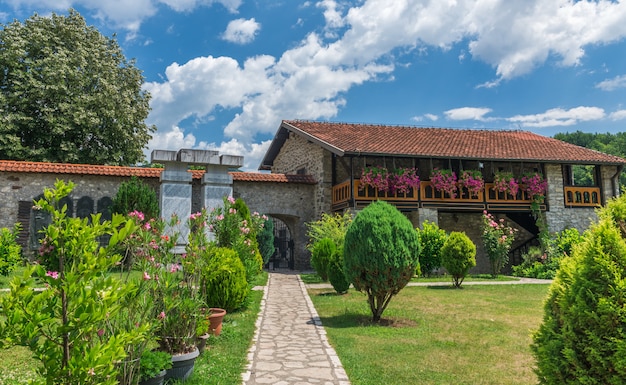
[68, 94]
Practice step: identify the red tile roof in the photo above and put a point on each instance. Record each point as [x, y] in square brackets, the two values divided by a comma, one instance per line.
[142, 172]
[368, 139]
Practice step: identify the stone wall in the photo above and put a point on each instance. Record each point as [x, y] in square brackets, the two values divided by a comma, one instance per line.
[301, 156]
[289, 202]
[558, 216]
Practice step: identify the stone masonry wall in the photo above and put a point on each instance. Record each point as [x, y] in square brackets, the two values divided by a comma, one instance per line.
[297, 153]
[558, 216]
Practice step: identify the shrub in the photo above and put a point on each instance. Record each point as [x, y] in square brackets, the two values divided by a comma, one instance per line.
[321, 256]
[223, 279]
[336, 275]
[265, 239]
[543, 262]
[497, 239]
[63, 324]
[329, 226]
[431, 239]
[10, 250]
[458, 256]
[582, 338]
[134, 195]
[381, 252]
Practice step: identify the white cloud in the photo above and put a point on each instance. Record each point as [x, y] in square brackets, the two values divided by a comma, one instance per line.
[618, 115]
[431, 117]
[612, 84]
[241, 31]
[252, 153]
[559, 117]
[468, 113]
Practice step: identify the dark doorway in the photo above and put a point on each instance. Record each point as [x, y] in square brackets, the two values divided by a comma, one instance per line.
[283, 243]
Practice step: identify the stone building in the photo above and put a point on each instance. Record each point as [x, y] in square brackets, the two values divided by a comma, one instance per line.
[315, 167]
[335, 154]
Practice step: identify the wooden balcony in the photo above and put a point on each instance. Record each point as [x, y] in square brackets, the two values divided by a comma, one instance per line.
[576, 196]
[427, 196]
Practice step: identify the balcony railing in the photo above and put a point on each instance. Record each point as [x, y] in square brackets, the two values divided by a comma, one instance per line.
[576, 196]
[427, 196]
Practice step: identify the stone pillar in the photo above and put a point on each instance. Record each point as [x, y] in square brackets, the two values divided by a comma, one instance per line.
[175, 190]
[217, 183]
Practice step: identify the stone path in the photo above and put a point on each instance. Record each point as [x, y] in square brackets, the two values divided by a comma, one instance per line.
[290, 345]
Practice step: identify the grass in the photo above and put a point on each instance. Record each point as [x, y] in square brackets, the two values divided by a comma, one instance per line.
[475, 335]
[222, 362]
[313, 278]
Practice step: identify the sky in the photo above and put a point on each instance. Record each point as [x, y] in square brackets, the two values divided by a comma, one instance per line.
[222, 74]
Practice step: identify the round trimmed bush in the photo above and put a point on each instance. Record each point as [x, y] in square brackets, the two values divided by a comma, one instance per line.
[223, 281]
[381, 252]
[458, 256]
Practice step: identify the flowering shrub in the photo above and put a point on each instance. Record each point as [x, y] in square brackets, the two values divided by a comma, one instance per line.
[403, 180]
[473, 181]
[64, 325]
[535, 186]
[172, 279]
[497, 239]
[234, 227]
[506, 183]
[444, 181]
[376, 177]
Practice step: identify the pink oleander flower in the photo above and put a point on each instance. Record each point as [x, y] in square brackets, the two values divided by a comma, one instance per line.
[53, 274]
[231, 200]
[146, 276]
[161, 315]
[100, 332]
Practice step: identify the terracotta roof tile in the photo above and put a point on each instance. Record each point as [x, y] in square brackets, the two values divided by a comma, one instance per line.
[275, 178]
[143, 172]
[347, 138]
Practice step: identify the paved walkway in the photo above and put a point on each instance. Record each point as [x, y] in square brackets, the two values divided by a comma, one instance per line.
[290, 345]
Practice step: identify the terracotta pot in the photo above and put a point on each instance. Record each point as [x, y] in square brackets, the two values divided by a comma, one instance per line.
[215, 320]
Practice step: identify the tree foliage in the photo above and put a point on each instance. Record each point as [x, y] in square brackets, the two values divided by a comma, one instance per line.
[458, 256]
[321, 256]
[333, 226]
[381, 253]
[68, 94]
[614, 144]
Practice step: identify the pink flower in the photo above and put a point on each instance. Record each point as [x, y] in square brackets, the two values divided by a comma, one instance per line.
[231, 200]
[147, 226]
[175, 268]
[220, 217]
[100, 332]
[232, 211]
[146, 276]
[52, 274]
[161, 315]
[91, 372]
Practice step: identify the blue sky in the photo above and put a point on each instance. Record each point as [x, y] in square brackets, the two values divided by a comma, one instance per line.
[224, 73]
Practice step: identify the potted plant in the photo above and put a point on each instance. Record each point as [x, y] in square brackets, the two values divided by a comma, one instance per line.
[403, 180]
[376, 177]
[174, 283]
[473, 181]
[202, 329]
[506, 183]
[153, 367]
[445, 181]
[535, 186]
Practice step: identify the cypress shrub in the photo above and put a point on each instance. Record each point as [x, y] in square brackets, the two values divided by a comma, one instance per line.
[381, 252]
[135, 195]
[265, 239]
[458, 256]
[321, 256]
[336, 275]
[582, 339]
[223, 280]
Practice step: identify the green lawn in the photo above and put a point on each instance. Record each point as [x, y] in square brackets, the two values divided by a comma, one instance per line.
[313, 278]
[474, 335]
